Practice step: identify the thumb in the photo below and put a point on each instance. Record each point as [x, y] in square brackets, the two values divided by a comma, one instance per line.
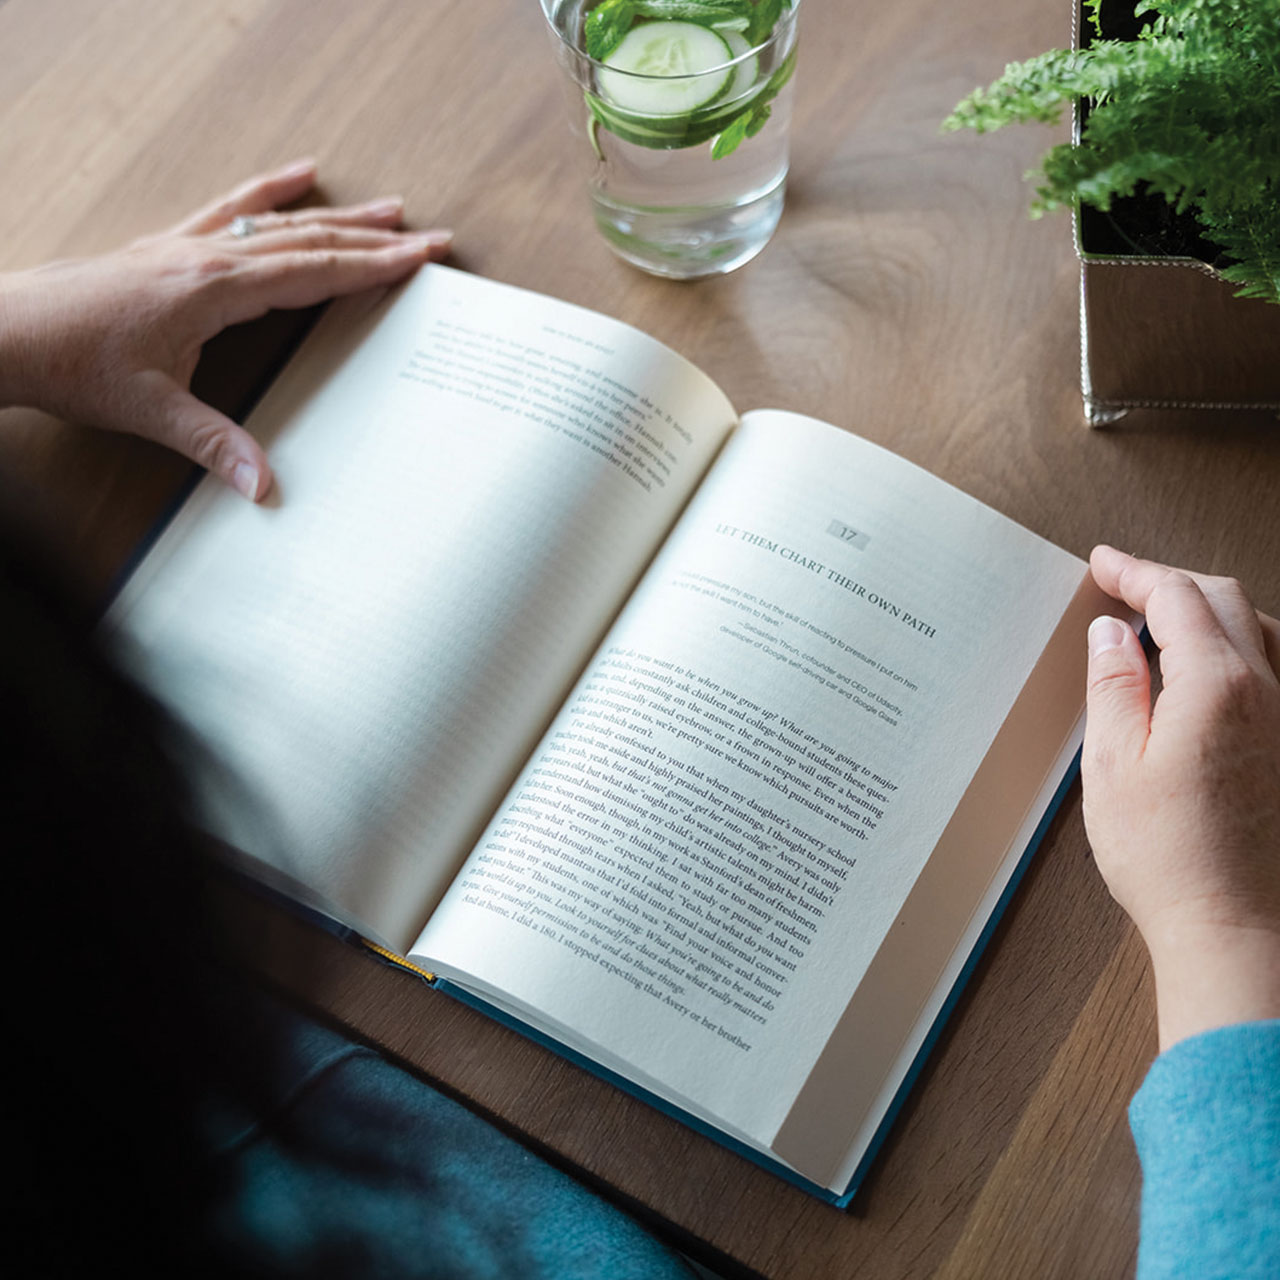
[1119, 696]
[179, 420]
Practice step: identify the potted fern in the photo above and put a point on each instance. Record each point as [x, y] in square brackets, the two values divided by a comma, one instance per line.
[1175, 164]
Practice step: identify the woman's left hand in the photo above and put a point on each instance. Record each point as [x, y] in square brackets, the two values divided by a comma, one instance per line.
[113, 341]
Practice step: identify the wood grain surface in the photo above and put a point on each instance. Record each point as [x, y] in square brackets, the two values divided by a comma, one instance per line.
[906, 295]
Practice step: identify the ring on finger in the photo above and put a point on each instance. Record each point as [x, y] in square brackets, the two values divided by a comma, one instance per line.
[242, 227]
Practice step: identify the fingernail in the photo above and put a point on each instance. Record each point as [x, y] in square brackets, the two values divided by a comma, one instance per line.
[245, 479]
[297, 168]
[385, 207]
[1105, 633]
[424, 242]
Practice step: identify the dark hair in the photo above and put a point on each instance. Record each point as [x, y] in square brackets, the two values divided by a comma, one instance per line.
[113, 1041]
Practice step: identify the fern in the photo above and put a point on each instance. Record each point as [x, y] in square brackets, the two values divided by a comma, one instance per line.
[1188, 111]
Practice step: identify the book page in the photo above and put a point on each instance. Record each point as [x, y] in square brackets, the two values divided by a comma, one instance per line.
[707, 852]
[469, 479]
[956, 898]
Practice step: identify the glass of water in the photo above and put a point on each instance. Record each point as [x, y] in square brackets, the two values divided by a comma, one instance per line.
[681, 111]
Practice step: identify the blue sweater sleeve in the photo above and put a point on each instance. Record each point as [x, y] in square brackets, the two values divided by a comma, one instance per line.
[1207, 1126]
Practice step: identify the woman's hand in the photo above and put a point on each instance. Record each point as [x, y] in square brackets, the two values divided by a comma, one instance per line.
[113, 341]
[1182, 803]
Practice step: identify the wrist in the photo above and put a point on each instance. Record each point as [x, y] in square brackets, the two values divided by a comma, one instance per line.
[1211, 975]
[12, 348]
[26, 366]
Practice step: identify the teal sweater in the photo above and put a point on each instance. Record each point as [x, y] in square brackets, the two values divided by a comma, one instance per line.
[347, 1165]
[1207, 1125]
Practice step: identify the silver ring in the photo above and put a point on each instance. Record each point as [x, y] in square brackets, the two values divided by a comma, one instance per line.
[241, 227]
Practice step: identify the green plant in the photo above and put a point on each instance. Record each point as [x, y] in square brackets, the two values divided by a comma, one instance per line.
[1187, 110]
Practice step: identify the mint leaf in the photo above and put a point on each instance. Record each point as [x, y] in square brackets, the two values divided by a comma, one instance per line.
[728, 141]
[759, 118]
[707, 13]
[606, 24]
[764, 17]
[609, 21]
[749, 122]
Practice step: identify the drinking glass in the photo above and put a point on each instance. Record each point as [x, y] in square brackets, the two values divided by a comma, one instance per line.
[686, 171]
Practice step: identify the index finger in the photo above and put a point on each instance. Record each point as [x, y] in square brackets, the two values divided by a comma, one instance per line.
[258, 195]
[303, 277]
[1193, 607]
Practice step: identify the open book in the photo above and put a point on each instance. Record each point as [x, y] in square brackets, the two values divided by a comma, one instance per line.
[706, 747]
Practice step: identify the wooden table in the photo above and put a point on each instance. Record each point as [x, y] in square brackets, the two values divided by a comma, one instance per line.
[906, 295]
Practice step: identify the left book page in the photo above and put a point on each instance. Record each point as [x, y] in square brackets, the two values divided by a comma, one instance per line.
[470, 478]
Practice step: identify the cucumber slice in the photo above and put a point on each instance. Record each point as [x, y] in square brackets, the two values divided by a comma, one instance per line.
[746, 72]
[661, 133]
[666, 69]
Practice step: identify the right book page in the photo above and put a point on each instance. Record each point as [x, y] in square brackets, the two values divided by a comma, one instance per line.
[723, 827]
